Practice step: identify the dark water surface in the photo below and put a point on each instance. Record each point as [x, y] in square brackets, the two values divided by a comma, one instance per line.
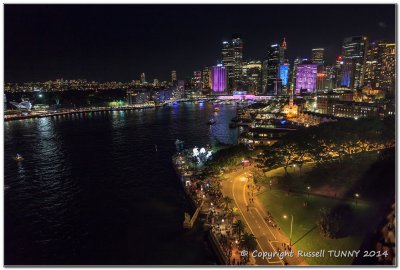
[93, 190]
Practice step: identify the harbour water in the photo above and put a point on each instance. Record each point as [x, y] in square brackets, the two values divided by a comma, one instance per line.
[92, 189]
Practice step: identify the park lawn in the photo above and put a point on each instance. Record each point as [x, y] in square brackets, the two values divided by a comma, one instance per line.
[278, 172]
[306, 236]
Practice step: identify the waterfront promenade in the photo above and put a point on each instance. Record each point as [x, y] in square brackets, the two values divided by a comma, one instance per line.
[76, 111]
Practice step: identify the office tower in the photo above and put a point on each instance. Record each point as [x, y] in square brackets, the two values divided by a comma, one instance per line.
[284, 77]
[306, 77]
[282, 51]
[296, 61]
[174, 79]
[196, 80]
[232, 57]
[317, 56]
[219, 79]
[273, 60]
[354, 56]
[237, 44]
[338, 72]
[251, 73]
[178, 91]
[156, 82]
[325, 76]
[206, 78]
[380, 66]
[389, 68]
[142, 78]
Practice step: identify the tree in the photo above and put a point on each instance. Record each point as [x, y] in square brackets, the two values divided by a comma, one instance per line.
[230, 215]
[227, 202]
[248, 242]
[238, 228]
[285, 155]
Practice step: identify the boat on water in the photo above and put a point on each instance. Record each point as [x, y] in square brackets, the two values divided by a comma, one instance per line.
[216, 109]
[211, 121]
[18, 157]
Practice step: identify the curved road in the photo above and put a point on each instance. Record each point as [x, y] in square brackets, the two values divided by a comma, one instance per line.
[268, 239]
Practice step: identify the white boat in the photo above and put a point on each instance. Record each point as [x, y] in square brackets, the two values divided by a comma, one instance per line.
[18, 157]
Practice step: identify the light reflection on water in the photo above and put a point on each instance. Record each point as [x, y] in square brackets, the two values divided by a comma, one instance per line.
[93, 190]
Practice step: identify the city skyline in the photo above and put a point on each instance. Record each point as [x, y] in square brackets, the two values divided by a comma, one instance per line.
[100, 49]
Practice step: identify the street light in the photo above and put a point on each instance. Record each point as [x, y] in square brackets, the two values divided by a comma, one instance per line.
[356, 197]
[309, 191]
[291, 229]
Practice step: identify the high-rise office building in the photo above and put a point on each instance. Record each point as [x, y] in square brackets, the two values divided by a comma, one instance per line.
[317, 56]
[232, 57]
[219, 79]
[389, 68]
[206, 78]
[282, 51]
[338, 72]
[354, 55]
[196, 80]
[251, 73]
[306, 77]
[156, 82]
[325, 78]
[284, 74]
[273, 61]
[380, 66]
[142, 78]
[174, 79]
[297, 61]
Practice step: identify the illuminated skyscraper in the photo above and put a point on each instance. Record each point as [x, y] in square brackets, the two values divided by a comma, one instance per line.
[354, 55]
[380, 66]
[196, 80]
[232, 57]
[142, 78]
[273, 61]
[174, 79]
[284, 74]
[338, 73]
[282, 51]
[219, 79]
[389, 68]
[306, 78]
[296, 61]
[206, 78]
[251, 73]
[317, 56]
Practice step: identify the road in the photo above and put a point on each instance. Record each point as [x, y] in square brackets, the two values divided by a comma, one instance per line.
[269, 239]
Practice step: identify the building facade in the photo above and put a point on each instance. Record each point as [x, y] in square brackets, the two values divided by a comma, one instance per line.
[354, 51]
[232, 58]
[306, 78]
[219, 79]
[317, 56]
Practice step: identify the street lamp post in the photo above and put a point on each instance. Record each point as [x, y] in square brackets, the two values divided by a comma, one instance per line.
[356, 197]
[308, 194]
[291, 230]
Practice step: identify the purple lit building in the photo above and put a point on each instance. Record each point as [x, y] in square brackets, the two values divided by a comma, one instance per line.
[306, 78]
[218, 78]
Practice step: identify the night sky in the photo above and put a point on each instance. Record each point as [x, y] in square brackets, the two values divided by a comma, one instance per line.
[118, 42]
